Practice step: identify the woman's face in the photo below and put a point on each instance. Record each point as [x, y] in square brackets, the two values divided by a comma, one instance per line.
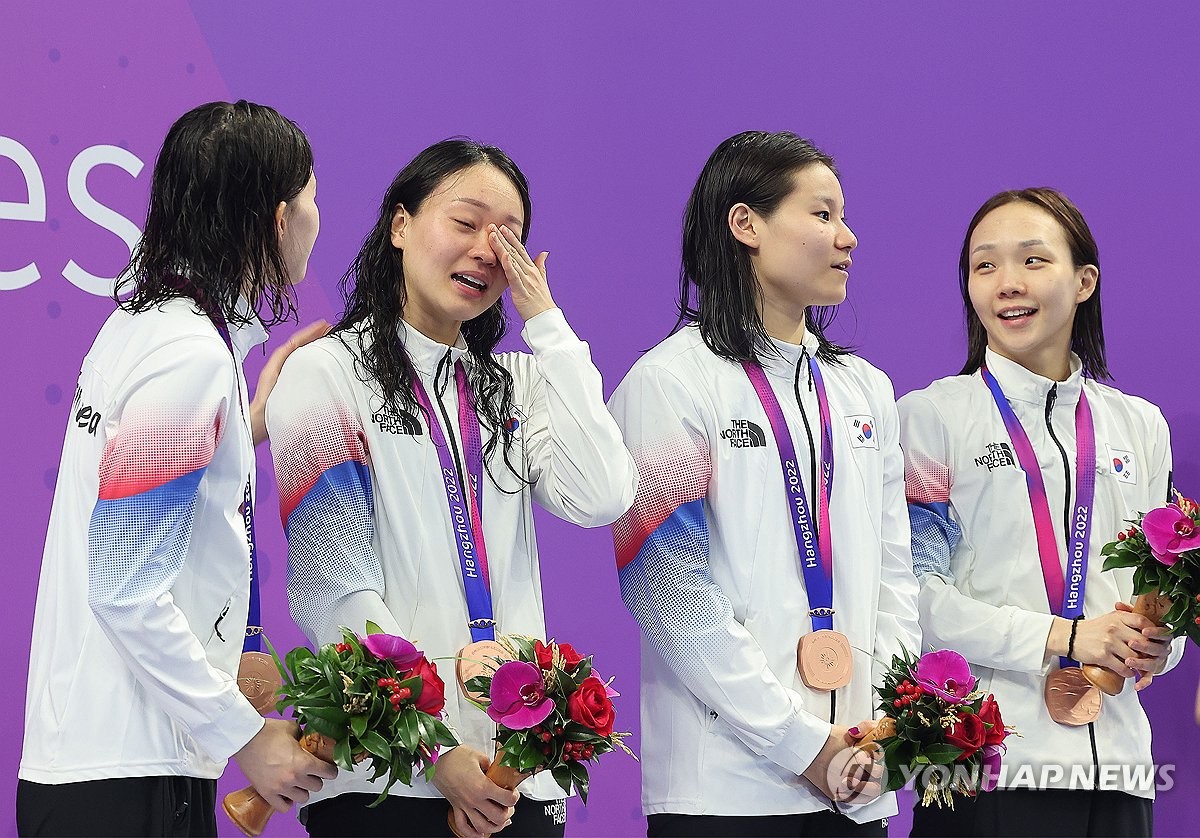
[801, 255]
[451, 272]
[1025, 287]
[298, 226]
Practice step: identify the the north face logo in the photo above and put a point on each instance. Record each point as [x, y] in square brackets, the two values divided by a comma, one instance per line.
[397, 422]
[998, 455]
[742, 433]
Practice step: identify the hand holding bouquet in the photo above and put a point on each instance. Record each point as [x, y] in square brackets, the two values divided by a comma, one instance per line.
[1163, 548]
[937, 730]
[552, 711]
[373, 699]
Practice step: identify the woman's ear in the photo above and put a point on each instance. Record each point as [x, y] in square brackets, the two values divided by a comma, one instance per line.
[400, 219]
[1087, 276]
[741, 221]
[281, 219]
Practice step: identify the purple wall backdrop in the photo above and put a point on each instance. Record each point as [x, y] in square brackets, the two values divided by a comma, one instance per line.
[611, 109]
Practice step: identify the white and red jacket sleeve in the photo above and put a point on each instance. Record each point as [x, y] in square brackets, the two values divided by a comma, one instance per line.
[164, 427]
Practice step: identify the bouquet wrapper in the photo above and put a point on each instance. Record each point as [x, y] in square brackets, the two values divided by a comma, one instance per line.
[1153, 606]
[249, 811]
[884, 728]
[502, 775]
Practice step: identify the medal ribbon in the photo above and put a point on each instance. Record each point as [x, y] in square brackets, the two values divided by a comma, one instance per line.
[466, 510]
[1069, 590]
[816, 549]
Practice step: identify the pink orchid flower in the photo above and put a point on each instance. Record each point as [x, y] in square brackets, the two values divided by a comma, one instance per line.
[945, 674]
[1169, 532]
[519, 696]
[392, 648]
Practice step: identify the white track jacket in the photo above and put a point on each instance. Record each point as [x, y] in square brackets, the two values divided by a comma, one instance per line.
[710, 569]
[364, 505]
[975, 553]
[142, 600]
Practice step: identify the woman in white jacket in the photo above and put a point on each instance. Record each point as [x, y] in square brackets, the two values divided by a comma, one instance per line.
[1005, 463]
[403, 414]
[735, 551]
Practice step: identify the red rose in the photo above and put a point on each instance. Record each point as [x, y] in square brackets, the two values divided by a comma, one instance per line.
[591, 707]
[989, 714]
[433, 691]
[968, 733]
[545, 657]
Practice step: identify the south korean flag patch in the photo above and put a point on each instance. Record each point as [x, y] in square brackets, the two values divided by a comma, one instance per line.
[862, 432]
[1123, 465]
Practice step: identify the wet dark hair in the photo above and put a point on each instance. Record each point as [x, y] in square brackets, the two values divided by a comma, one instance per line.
[1087, 330]
[222, 171]
[375, 294]
[717, 286]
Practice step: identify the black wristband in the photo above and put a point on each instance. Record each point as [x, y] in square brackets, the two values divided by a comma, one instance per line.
[1071, 642]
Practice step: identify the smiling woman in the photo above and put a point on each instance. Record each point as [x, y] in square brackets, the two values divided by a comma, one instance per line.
[1010, 479]
[409, 454]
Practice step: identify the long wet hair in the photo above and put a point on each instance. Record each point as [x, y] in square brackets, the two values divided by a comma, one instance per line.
[718, 289]
[375, 294]
[1087, 330]
[222, 172]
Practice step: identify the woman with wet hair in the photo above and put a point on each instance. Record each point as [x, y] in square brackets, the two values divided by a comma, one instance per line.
[132, 707]
[766, 556]
[409, 453]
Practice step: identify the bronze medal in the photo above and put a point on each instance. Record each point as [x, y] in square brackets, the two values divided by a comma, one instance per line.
[475, 659]
[259, 680]
[824, 660]
[1070, 699]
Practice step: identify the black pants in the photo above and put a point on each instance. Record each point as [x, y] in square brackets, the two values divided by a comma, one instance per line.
[175, 806]
[1058, 812]
[347, 814]
[792, 826]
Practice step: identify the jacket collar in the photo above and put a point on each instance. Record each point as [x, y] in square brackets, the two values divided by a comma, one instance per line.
[425, 352]
[1019, 384]
[783, 360]
[249, 335]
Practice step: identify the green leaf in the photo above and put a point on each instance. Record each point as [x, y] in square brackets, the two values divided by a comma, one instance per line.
[376, 744]
[324, 726]
[942, 754]
[358, 725]
[342, 755]
[408, 730]
[373, 628]
[579, 774]
[562, 776]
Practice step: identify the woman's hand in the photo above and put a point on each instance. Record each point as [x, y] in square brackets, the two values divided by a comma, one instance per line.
[843, 771]
[526, 277]
[1153, 648]
[270, 374]
[480, 806]
[1119, 640]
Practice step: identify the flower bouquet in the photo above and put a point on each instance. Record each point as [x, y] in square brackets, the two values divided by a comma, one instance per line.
[937, 730]
[373, 698]
[1163, 548]
[552, 711]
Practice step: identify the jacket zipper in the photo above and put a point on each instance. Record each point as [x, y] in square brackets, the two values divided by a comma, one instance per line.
[812, 459]
[437, 392]
[1050, 399]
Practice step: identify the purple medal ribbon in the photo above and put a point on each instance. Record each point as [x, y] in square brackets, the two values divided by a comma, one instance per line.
[816, 550]
[466, 510]
[1068, 591]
